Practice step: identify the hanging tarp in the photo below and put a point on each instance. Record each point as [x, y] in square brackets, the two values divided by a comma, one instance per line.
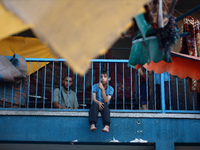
[77, 31]
[10, 23]
[26, 47]
[182, 66]
[145, 51]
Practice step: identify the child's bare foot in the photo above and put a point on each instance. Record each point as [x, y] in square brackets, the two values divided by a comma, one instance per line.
[106, 129]
[92, 127]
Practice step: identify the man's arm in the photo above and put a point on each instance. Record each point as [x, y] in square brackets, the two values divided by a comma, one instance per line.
[56, 105]
[56, 98]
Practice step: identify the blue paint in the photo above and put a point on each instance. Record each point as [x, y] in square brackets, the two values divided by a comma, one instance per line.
[60, 83]
[131, 88]
[132, 97]
[177, 93]
[45, 71]
[164, 132]
[162, 93]
[83, 91]
[29, 84]
[36, 86]
[123, 89]
[115, 86]
[154, 87]
[92, 85]
[52, 85]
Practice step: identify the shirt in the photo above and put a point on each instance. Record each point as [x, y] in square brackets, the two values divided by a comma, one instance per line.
[158, 77]
[109, 91]
[71, 103]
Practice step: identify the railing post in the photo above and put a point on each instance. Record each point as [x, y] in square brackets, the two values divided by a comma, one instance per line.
[162, 87]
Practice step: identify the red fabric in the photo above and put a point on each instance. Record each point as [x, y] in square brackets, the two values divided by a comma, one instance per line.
[182, 65]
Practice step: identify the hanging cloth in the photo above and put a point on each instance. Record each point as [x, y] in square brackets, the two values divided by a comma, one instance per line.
[191, 45]
[145, 51]
[153, 11]
[12, 69]
[13, 80]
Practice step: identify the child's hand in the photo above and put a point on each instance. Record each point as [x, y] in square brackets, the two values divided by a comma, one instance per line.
[101, 107]
[101, 86]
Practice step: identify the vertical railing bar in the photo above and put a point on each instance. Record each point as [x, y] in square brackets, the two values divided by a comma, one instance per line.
[177, 93]
[139, 87]
[76, 85]
[12, 95]
[99, 74]
[68, 87]
[108, 82]
[154, 87]
[60, 84]
[185, 94]
[170, 98]
[147, 89]
[115, 86]
[52, 80]
[92, 84]
[84, 91]
[36, 86]
[131, 88]
[20, 94]
[193, 100]
[45, 70]
[136, 87]
[4, 95]
[162, 87]
[123, 89]
[29, 79]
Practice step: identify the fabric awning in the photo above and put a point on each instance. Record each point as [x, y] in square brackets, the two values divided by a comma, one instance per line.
[182, 65]
[77, 31]
[26, 47]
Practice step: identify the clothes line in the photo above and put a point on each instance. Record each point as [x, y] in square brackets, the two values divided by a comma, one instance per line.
[188, 13]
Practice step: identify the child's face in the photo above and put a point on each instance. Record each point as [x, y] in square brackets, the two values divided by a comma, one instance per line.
[104, 78]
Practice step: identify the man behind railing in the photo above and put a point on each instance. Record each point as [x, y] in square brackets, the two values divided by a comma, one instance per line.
[68, 97]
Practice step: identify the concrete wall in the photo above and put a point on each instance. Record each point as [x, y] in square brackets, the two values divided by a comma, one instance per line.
[163, 130]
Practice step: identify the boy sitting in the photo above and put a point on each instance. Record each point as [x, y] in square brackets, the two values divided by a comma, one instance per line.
[102, 93]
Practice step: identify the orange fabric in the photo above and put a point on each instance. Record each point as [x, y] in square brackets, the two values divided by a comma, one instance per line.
[182, 65]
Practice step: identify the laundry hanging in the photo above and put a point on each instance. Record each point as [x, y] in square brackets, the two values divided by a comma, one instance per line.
[157, 47]
[190, 45]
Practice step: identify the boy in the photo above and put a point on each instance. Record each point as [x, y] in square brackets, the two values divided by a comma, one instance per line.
[102, 93]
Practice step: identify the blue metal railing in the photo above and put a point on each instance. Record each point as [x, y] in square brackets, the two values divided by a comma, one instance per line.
[127, 83]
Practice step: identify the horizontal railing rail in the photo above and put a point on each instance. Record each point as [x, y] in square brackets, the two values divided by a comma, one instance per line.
[134, 90]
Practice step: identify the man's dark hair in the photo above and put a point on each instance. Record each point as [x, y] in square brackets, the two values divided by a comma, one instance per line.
[67, 76]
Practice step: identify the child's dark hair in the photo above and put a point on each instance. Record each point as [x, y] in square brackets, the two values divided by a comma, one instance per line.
[104, 71]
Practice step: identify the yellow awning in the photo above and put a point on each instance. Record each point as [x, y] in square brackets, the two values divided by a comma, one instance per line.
[26, 47]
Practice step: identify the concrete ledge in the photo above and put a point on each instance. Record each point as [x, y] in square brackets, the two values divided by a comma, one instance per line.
[112, 114]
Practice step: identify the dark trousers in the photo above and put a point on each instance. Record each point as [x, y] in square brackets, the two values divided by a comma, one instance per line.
[158, 96]
[105, 113]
